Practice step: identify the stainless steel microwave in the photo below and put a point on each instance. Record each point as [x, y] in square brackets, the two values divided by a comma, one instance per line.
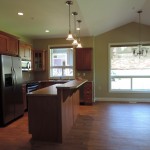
[26, 65]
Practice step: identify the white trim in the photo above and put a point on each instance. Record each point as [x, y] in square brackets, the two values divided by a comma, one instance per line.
[130, 100]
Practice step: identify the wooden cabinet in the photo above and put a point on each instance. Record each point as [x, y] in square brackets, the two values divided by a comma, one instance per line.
[25, 51]
[53, 111]
[4, 44]
[86, 93]
[13, 46]
[8, 44]
[38, 60]
[83, 59]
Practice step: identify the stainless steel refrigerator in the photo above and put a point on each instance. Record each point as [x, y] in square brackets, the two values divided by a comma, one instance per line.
[11, 101]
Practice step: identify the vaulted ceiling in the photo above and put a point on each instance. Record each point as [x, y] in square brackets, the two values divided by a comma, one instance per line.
[98, 16]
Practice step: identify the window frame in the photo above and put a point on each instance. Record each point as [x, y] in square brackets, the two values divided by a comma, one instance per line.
[49, 65]
[123, 76]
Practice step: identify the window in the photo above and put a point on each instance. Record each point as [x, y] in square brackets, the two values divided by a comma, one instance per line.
[61, 63]
[127, 71]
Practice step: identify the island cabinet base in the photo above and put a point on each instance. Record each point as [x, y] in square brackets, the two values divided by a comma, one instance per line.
[43, 117]
[52, 116]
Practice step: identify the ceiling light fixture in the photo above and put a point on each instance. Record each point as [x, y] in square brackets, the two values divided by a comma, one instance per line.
[79, 42]
[75, 42]
[20, 13]
[140, 50]
[46, 31]
[70, 37]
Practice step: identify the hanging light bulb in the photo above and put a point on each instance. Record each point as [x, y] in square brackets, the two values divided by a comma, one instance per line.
[70, 37]
[79, 43]
[75, 42]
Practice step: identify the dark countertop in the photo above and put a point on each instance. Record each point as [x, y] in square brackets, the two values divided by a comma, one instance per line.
[49, 80]
[52, 90]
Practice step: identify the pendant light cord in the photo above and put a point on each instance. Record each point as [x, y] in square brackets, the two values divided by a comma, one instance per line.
[69, 20]
[140, 26]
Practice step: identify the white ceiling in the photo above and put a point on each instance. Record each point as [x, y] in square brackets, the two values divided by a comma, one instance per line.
[98, 16]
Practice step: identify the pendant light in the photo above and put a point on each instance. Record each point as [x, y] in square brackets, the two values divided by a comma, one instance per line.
[75, 42]
[140, 50]
[70, 37]
[79, 43]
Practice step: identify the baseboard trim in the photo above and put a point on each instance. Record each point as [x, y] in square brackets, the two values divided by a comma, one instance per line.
[130, 100]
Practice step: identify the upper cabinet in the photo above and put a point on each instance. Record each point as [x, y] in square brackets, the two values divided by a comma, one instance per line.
[25, 51]
[8, 44]
[83, 59]
[38, 60]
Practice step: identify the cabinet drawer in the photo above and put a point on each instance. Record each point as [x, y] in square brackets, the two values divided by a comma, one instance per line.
[87, 93]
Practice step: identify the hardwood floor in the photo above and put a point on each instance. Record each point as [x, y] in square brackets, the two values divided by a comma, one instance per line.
[103, 126]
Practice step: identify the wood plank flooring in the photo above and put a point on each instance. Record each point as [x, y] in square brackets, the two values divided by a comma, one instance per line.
[103, 126]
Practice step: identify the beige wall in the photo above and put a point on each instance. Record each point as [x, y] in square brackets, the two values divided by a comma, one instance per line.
[46, 43]
[124, 34]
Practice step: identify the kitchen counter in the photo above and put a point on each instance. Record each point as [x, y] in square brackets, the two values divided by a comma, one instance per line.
[52, 90]
[52, 110]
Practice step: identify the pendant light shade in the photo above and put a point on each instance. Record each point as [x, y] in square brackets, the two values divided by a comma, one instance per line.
[70, 37]
[75, 42]
[79, 45]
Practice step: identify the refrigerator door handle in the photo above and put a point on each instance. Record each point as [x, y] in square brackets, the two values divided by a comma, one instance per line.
[12, 72]
[13, 76]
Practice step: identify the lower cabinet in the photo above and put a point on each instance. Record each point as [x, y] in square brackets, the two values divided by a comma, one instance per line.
[52, 113]
[86, 93]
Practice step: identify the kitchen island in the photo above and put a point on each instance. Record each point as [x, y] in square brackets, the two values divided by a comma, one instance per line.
[52, 110]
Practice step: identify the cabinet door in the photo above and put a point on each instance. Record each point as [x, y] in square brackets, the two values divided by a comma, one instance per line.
[83, 59]
[3, 44]
[13, 46]
[28, 49]
[25, 51]
[38, 60]
[8, 44]
[22, 50]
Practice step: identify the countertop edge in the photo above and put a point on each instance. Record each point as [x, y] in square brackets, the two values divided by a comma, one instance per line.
[72, 84]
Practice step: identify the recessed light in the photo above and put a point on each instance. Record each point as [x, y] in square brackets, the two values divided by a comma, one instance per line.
[20, 13]
[46, 30]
